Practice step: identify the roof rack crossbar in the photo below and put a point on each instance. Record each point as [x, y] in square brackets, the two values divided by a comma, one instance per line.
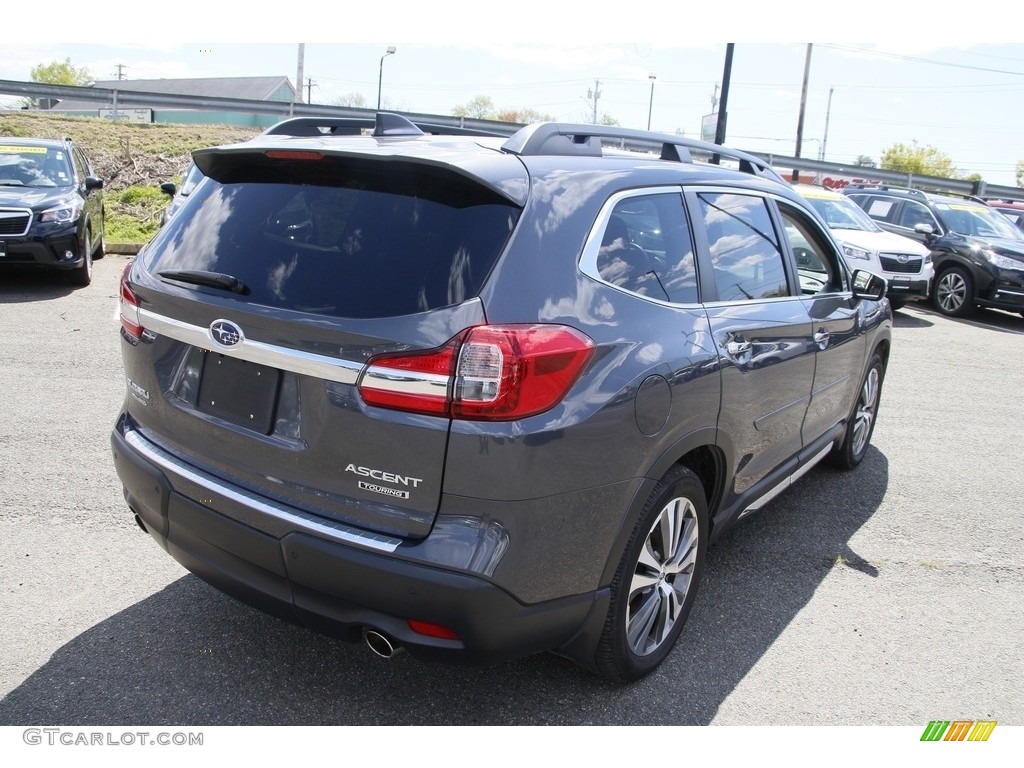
[584, 139]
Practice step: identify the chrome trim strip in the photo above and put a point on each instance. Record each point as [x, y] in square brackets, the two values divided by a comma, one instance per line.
[757, 504]
[302, 521]
[284, 358]
[406, 382]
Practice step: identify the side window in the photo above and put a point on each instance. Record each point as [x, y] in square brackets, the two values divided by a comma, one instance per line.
[745, 253]
[878, 208]
[81, 167]
[914, 213]
[647, 249]
[816, 261]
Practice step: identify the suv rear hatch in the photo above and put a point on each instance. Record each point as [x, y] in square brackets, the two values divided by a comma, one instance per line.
[253, 314]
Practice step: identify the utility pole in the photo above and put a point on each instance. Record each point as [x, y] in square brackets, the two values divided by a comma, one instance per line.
[309, 90]
[723, 105]
[120, 71]
[595, 94]
[297, 93]
[803, 108]
[828, 114]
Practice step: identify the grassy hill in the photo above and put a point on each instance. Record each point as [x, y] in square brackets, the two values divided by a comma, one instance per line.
[132, 159]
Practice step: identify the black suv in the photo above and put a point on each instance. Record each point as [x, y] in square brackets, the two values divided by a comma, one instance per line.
[978, 254]
[51, 207]
[484, 397]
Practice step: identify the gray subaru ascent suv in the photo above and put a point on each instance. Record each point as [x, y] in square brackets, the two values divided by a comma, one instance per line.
[484, 397]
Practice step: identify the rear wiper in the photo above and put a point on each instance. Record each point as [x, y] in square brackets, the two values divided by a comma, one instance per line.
[209, 279]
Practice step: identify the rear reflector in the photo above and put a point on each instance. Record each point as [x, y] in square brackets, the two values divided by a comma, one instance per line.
[486, 373]
[432, 630]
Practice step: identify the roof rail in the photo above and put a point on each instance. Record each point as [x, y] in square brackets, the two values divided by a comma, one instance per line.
[887, 188]
[919, 193]
[385, 124]
[583, 139]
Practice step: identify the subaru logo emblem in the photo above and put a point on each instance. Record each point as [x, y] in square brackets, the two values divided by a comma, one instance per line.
[226, 333]
[903, 258]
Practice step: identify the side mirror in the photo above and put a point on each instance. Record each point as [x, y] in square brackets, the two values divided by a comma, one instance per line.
[91, 182]
[924, 229]
[868, 285]
[169, 188]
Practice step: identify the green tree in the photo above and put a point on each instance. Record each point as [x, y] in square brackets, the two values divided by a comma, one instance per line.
[924, 161]
[56, 73]
[864, 161]
[60, 73]
[607, 119]
[522, 115]
[350, 99]
[477, 108]
[1020, 173]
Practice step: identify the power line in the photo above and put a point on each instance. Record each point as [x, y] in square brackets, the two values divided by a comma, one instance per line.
[919, 60]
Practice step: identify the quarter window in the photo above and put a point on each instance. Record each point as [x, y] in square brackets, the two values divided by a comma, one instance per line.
[745, 253]
[647, 249]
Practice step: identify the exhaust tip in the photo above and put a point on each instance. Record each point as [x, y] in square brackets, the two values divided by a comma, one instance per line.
[142, 525]
[381, 644]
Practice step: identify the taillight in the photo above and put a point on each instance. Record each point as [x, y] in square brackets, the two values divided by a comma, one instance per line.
[487, 373]
[129, 307]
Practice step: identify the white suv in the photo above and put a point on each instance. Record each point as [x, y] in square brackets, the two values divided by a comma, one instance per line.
[905, 263]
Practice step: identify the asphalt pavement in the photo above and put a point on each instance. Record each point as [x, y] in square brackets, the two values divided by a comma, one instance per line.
[885, 596]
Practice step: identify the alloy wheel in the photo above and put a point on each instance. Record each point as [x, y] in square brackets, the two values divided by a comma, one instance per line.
[951, 292]
[662, 576]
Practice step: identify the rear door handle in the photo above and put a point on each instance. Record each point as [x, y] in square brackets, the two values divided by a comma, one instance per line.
[821, 338]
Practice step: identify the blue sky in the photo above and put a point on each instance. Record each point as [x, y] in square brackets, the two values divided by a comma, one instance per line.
[911, 81]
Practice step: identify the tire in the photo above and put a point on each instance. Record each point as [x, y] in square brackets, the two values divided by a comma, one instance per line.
[656, 581]
[101, 246]
[82, 275]
[850, 453]
[954, 292]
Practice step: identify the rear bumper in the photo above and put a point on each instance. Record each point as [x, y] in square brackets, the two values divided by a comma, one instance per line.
[340, 581]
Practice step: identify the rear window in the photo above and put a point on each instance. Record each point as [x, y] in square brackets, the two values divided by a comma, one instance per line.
[339, 237]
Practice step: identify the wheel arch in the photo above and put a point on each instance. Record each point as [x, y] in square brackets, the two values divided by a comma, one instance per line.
[699, 453]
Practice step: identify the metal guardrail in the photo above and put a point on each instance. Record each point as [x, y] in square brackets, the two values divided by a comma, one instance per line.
[118, 98]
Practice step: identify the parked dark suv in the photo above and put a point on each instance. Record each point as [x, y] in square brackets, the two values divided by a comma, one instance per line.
[484, 397]
[978, 254]
[51, 207]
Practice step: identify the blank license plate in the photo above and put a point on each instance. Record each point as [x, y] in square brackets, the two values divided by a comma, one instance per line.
[238, 391]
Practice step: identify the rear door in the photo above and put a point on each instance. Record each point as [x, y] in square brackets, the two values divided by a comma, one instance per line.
[762, 331]
[263, 301]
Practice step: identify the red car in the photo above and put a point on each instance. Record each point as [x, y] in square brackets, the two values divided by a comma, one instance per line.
[1013, 210]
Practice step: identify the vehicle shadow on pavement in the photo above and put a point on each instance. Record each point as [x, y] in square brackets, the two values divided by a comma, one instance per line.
[22, 285]
[191, 656]
[902, 319]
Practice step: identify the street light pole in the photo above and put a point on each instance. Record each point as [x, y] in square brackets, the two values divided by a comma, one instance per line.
[650, 106]
[380, 77]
